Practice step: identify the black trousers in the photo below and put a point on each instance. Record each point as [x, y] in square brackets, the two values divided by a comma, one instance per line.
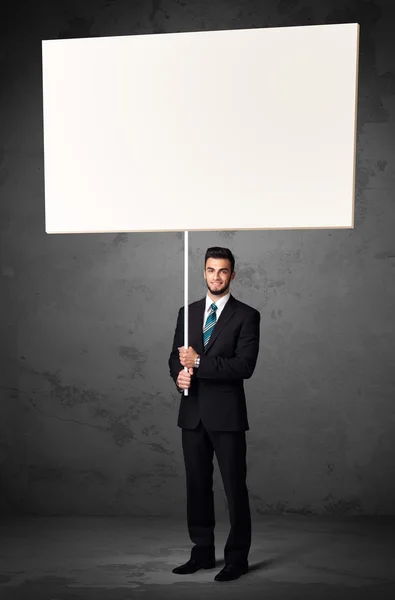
[199, 446]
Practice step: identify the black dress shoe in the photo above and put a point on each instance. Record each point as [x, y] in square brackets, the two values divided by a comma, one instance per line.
[194, 565]
[230, 572]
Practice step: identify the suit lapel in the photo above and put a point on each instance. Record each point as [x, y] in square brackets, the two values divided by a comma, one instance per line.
[196, 326]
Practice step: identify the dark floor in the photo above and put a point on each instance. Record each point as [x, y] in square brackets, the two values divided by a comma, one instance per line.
[124, 558]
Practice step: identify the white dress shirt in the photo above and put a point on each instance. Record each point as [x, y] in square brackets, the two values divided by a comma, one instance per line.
[220, 307]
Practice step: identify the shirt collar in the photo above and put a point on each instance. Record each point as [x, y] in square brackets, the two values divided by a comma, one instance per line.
[220, 303]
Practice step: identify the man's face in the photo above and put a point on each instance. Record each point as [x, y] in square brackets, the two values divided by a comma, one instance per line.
[218, 276]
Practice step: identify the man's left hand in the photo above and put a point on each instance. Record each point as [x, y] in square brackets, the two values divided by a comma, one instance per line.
[187, 356]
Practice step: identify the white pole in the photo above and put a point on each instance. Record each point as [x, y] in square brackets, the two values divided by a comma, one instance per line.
[186, 296]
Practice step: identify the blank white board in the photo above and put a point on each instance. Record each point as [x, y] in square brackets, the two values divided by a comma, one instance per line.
[215, 130]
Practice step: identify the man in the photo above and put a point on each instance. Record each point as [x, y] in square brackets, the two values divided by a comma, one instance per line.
[223, 351]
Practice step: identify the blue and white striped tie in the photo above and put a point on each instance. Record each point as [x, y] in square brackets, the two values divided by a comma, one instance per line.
[209, 326]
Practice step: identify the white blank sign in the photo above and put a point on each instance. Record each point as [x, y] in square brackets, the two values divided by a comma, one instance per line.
[218, 130]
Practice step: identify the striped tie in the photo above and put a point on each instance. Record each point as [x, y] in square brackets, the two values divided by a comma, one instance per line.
[209, 326]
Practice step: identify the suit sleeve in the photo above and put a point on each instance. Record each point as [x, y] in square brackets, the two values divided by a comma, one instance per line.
[242, 364]
[174, 361]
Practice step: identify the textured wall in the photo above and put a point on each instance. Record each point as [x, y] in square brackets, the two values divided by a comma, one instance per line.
[88, 410]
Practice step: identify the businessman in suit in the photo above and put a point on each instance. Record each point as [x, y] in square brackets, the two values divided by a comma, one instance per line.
[223, 351]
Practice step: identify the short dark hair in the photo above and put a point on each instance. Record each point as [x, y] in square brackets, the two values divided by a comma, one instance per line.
[217, 252]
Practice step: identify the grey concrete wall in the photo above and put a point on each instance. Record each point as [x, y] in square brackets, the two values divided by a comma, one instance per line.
[88, 410]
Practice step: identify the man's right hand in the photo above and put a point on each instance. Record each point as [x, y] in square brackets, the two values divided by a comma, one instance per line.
[184, 378]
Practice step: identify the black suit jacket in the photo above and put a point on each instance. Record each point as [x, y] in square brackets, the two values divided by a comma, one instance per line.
[216, 395]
